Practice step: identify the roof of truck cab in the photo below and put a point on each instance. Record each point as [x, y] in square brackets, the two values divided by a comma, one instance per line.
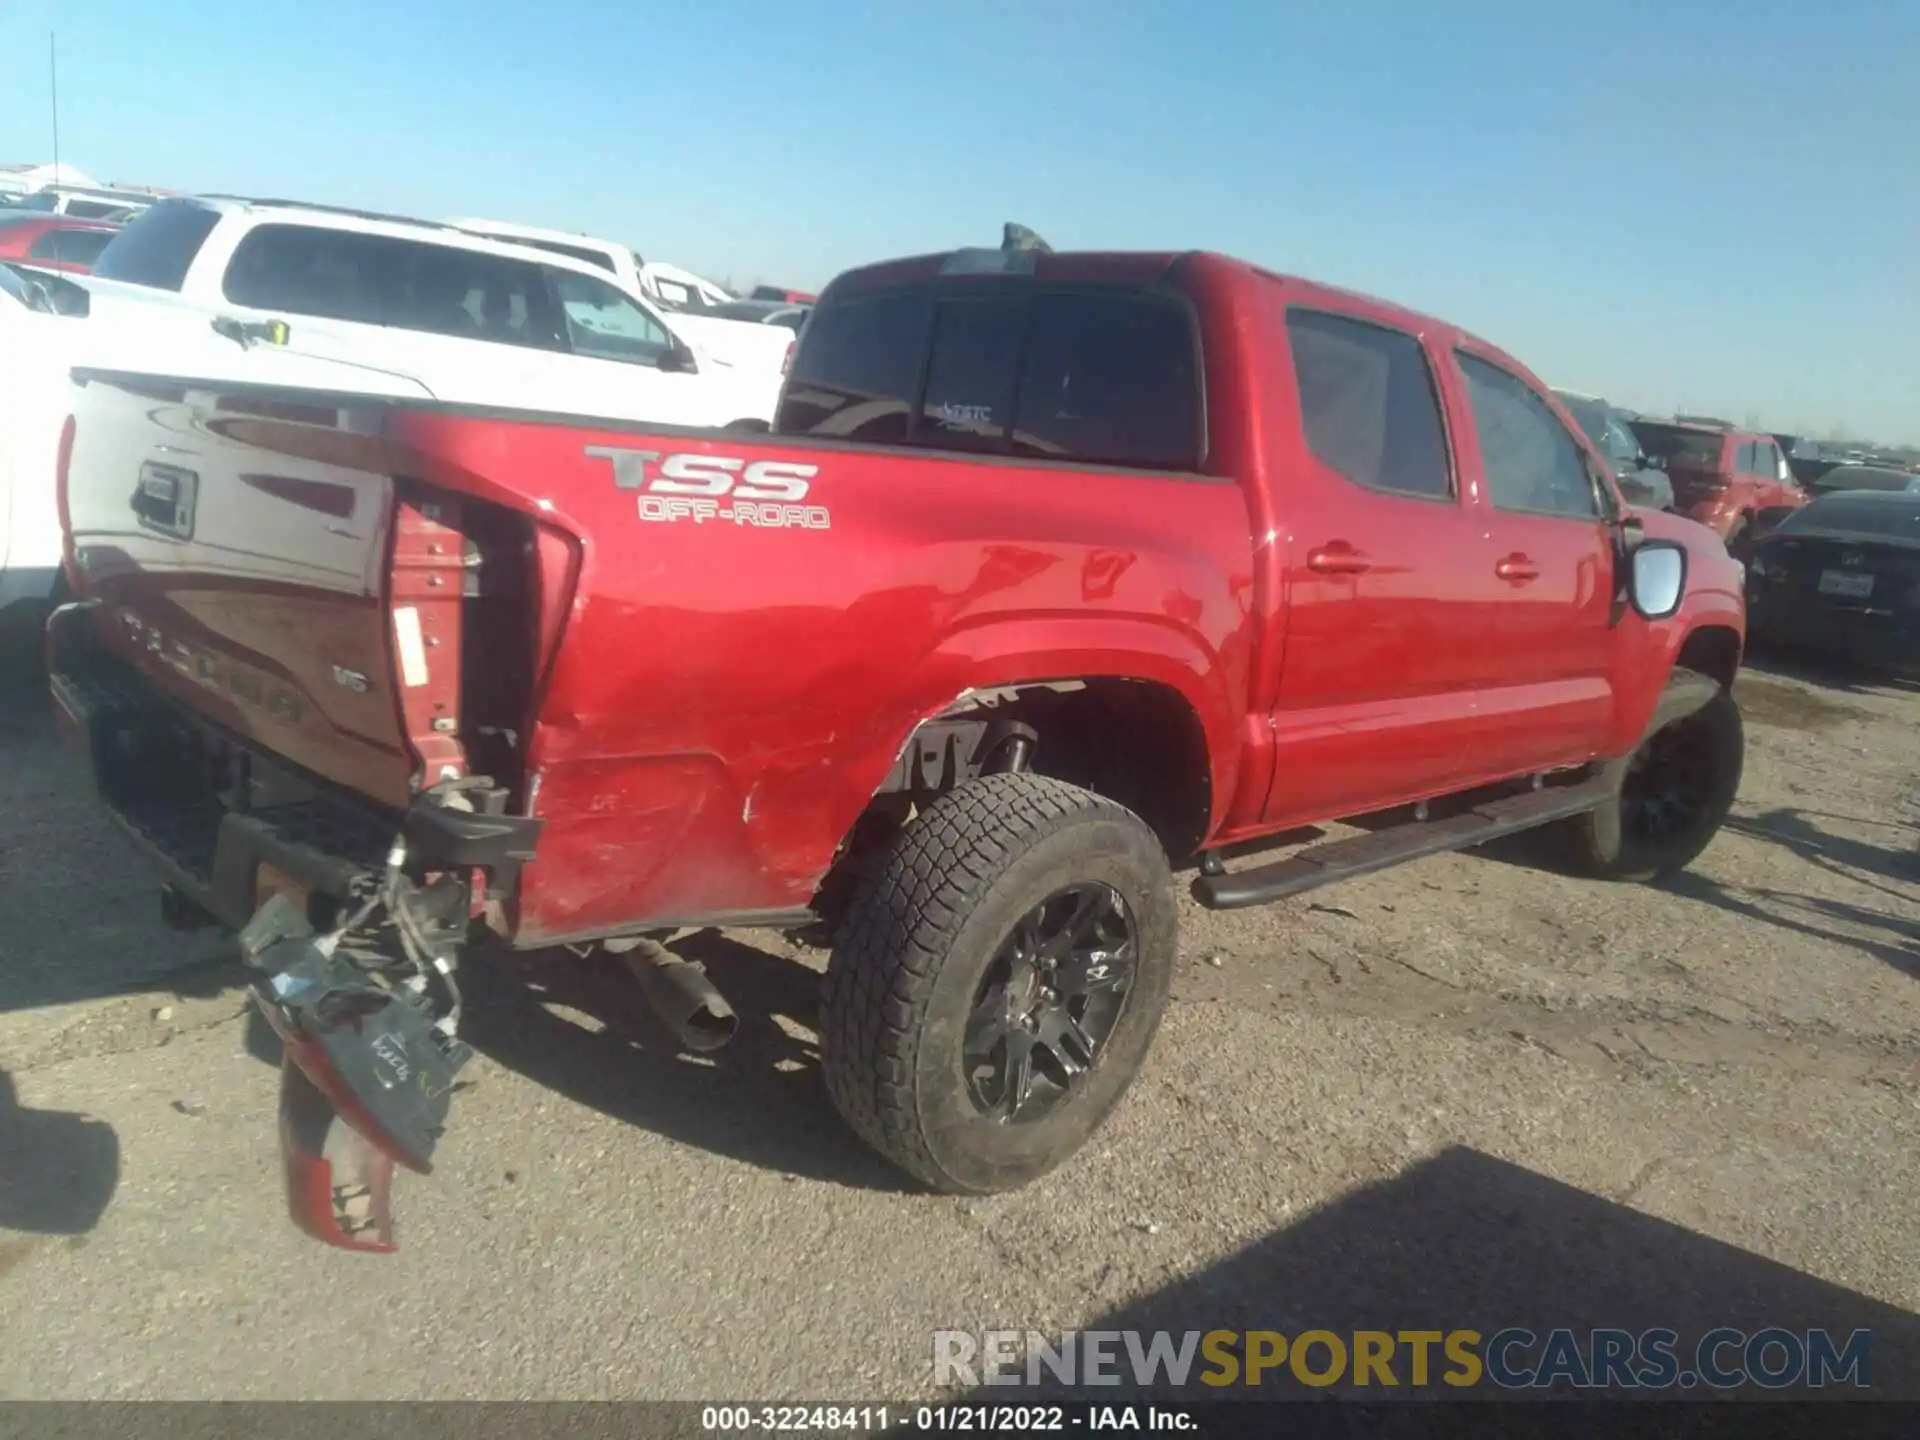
[1154, 267]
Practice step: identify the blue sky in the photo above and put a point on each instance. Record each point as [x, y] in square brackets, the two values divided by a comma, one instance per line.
[1681, 204]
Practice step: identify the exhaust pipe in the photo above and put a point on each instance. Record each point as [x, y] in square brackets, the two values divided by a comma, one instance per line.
[178, 911]
[682, 996]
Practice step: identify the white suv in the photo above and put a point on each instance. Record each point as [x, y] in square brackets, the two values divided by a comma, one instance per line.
[698, 307]
[466, 318]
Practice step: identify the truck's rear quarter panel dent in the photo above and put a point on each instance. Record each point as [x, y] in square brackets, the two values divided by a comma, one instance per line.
[777, 673]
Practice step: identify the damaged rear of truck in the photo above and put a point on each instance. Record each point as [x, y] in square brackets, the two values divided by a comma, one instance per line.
[370, 679]
[1055, 572]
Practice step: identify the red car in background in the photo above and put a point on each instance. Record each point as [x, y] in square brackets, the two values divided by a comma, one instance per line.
[1735, 482]
[784, 296]
[53, 242]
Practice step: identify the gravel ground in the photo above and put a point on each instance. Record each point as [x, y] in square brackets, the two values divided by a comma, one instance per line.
[1468, 1092]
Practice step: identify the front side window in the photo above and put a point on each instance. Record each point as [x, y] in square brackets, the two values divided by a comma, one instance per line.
[1367, 404]
[604, 323]
[1530, 462]
[157, 247]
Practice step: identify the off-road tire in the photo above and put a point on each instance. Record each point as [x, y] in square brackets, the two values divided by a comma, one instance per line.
[929, 918]
[1598, 842]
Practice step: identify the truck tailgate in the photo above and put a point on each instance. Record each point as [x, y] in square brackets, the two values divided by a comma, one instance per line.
[238, 548]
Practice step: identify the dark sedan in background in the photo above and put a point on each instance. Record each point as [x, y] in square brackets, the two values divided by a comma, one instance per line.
[1842, 576]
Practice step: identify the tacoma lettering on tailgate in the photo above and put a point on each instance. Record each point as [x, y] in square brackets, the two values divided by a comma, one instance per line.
[764, 494]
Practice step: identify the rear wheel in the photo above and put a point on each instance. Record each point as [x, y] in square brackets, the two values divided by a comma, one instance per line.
[1674, 790]
[999, 981]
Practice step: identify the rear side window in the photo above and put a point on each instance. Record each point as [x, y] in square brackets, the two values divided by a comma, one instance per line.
[857, 375]
[158, 245]
[1367, 404]
[1109, 378]
[70, 247]
[1530, 462]
[306, 270]
[382, 280]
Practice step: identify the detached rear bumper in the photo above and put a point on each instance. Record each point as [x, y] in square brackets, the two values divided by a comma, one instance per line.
[211, 810]
[207, 809]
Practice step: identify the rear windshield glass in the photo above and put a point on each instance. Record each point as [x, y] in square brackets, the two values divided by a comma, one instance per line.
[1672, 445]
[1108, 377]
[158, 245]
[1894, 516]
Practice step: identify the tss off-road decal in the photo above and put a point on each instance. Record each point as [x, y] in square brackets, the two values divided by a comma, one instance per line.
[765, 494]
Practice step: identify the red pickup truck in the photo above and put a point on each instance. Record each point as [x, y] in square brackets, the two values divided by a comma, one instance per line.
[1056, 572]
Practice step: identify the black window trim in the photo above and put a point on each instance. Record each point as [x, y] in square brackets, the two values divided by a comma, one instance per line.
[1605, 511]
[931, 294]
[1454, 496]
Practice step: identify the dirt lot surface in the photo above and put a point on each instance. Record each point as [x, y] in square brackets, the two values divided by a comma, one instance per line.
[1469, 1092]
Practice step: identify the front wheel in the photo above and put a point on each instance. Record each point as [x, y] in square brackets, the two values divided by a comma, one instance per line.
[1674, 791]
[999, 981]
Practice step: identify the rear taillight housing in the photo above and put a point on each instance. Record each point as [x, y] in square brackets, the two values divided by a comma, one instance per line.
[786, 360]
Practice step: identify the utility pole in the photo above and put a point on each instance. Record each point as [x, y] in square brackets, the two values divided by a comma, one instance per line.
[53, 90]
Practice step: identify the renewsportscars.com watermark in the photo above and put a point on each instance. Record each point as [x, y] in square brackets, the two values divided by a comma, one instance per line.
[1510, 1359]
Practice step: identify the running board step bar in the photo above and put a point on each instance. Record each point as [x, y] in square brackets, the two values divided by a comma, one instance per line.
[1319, 865]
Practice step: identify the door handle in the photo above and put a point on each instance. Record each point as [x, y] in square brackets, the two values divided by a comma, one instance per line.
[1338, 558]
[1518, 568]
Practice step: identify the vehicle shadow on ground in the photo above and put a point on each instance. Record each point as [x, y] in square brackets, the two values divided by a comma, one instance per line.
[1900, 948]
[1837, 853]
[57, 1171]
[759, 1100]
[1826, 671]
[1463, 1240]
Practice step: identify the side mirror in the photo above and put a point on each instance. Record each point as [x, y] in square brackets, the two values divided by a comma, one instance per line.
[677, 360]
[1659, 578]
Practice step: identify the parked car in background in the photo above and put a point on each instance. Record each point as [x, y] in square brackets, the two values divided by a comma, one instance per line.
[678, 289]
[41, 315]
[86, 202]
[469, 318]
[787, 297]
[1735, 482]
[53, 242]
[1058, 571]
[1866, 477]
[1842, 576]
[730, 341]
[763, 312]
[1608, 428]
